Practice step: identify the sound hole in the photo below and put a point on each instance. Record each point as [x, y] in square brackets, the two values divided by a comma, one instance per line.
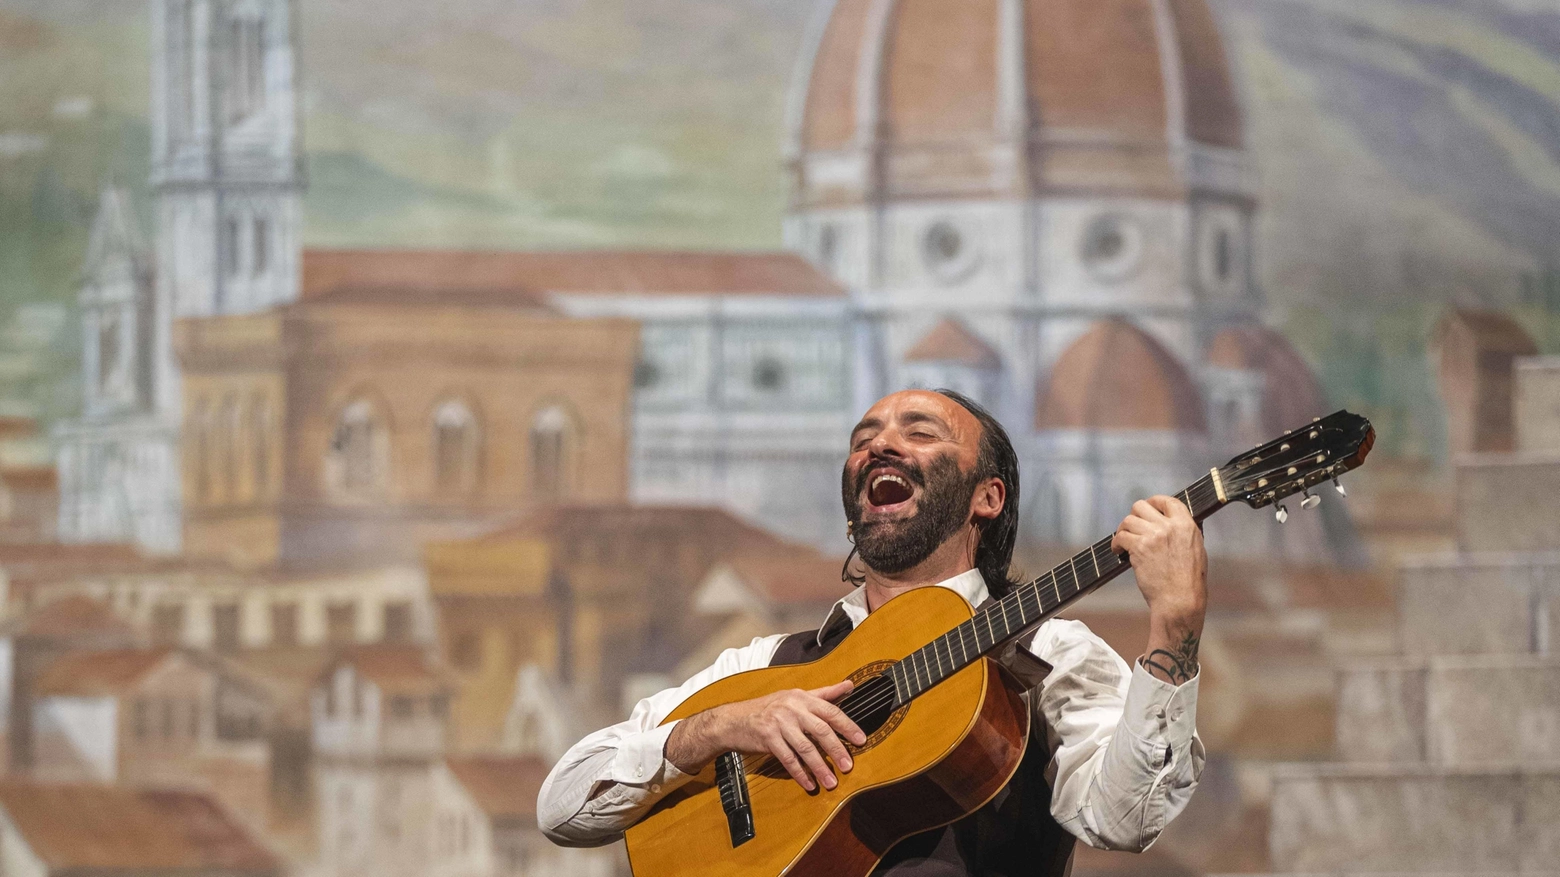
[870, 705]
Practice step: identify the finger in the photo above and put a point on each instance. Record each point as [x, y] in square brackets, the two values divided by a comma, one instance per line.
[1147, 510]
[803, 746]
[841, 723]
[833, 692]
[1124, 542]
[1135, 524]
[1169, 506]
[826, 739]
[781, 750]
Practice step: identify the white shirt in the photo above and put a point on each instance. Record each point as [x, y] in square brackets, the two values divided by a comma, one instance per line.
[1125, 753]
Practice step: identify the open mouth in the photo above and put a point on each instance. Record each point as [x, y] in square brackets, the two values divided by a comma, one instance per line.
[887, 490]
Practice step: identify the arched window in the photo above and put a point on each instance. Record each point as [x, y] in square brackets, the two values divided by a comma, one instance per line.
[260, 444]
[455, 447]
[230, 431]
[553, 449]
[359, 460]
[246, 67]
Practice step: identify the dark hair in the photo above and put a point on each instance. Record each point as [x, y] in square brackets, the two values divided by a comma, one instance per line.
[995, 459]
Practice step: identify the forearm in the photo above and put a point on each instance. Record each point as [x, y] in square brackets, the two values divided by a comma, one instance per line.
[1174, 637]
[597, 791]
[693, 743]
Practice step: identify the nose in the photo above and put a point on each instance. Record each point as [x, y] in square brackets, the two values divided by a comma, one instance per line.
[885, 445]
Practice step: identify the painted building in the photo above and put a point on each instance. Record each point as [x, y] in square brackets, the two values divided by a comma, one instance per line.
[405, 397]
[227, 176]
[151, 718]
[1049, 205]
[48, 830]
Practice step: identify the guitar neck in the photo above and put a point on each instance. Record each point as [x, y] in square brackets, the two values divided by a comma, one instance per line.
[1026, 606]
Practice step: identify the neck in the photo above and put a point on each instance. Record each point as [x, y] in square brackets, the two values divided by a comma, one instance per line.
[954, 556]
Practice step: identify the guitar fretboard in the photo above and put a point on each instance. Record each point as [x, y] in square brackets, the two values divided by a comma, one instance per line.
[1025, 607]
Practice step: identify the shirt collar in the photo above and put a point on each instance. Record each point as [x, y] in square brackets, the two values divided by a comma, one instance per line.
[852, 607]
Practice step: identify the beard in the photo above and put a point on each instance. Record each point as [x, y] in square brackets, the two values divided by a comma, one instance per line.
[942, 507]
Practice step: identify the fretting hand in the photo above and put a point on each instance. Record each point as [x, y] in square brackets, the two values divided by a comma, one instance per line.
[1166, 547]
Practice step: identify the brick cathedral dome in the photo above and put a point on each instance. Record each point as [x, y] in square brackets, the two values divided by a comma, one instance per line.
[928, 98]
[1117, 377]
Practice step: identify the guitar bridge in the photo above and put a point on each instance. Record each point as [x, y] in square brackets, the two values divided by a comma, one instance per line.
[731, 780]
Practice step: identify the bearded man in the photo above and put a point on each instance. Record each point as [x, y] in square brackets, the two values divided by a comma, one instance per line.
[931, 495]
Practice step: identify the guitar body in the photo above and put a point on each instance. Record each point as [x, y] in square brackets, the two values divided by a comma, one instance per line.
[933, 762]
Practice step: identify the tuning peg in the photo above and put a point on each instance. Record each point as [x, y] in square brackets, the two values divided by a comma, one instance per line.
[1310, 500]
[1282, 514]
[1339, 487]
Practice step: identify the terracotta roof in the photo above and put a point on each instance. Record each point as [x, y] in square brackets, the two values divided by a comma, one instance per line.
[70, 616]
[15, 426]
[1291, 394]
[1492, 330]
[1118, 377]
[397, 668]
[1095, 98]
[791, 578]
[579, 519]
[505, 788]
[115, 829]
[98, 673]
[517, 279]
[952, 341]
[30, 477]
[288, 675]
[110, 554]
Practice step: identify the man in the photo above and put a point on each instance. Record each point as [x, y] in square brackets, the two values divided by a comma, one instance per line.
[931, 495]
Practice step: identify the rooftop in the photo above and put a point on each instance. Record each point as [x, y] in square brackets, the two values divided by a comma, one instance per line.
[116, 829]
[517, 279]
[505, 788]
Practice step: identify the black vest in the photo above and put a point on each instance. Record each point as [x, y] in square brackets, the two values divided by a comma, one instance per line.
[1013, 835]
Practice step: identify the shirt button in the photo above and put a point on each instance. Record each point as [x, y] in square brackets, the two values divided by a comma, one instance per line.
[655, 787]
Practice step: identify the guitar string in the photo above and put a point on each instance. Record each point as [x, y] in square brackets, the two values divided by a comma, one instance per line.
[890, 693]
[1031, 589]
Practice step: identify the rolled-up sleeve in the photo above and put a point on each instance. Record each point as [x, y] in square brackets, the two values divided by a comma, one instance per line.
[608, 780]
[1125, 751]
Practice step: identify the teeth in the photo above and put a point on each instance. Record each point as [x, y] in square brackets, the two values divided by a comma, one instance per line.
[894, 478]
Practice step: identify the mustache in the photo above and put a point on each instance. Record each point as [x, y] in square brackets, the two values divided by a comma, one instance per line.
[910, 470]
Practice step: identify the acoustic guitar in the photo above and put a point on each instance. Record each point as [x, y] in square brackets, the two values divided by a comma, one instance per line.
[945, 723]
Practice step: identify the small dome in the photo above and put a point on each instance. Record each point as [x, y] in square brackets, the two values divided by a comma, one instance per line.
[1291, 395]
[952, 341]
[1118, 377]
[1101, 93]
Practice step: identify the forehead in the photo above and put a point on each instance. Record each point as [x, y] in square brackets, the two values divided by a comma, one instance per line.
[922, 405]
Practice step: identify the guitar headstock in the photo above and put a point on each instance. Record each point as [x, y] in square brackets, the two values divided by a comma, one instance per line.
[1298, 460]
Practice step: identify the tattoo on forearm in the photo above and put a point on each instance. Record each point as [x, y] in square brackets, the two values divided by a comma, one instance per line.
[1176, 666]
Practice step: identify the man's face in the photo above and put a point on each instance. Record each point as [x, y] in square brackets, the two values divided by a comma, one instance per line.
[908, 482]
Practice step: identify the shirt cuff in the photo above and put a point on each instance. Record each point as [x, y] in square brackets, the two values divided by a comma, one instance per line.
[641, 760]
[1155, 709]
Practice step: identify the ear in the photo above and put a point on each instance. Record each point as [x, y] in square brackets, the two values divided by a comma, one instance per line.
[990, 496]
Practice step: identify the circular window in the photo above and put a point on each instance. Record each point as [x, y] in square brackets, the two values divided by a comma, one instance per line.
[768, 374]
[646, 374]
[1112, 247]
[948, 253]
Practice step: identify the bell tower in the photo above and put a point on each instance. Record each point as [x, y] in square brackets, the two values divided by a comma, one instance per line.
[227, 178]
[225, 154]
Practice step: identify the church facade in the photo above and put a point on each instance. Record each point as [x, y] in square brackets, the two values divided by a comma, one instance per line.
[1046, 205]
